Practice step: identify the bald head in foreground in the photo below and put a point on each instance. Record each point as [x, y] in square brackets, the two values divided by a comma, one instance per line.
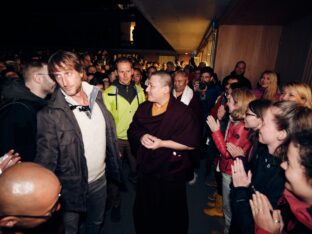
[29, 195]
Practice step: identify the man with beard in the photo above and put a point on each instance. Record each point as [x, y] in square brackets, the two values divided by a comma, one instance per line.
[22, 101]
[77, 140]
[208, 88]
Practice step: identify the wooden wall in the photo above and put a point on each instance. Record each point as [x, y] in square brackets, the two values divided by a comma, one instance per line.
[256, 45]
[294, 60]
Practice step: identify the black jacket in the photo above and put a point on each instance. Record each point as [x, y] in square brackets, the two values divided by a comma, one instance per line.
[268, 178]
[241, 78]
[60, 148]
[18, 122]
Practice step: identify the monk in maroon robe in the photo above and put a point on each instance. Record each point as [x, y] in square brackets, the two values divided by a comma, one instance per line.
[163, 133]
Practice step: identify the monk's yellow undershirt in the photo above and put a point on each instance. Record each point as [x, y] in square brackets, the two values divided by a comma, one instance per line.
[156, 110]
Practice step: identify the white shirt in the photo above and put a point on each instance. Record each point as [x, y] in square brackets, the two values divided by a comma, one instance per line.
[93, 130]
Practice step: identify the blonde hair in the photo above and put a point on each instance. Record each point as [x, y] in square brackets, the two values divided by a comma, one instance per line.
[242, 97]
[271, 91]
[304, 92]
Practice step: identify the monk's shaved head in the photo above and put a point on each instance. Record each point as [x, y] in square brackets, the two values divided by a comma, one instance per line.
[164, 78]
[28, 189]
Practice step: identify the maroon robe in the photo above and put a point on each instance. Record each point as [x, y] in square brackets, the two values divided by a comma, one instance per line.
[160, 205]
[178, 124]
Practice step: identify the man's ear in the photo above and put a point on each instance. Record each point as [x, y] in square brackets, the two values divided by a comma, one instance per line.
[37, 79]
[282, 135]
[166, 89]
[8, 221]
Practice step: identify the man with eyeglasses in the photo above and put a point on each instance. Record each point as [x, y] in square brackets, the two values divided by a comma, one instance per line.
[22, 99]
[77, 140]
[29, 195]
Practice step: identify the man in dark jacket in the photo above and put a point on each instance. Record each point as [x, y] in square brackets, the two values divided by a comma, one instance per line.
[238, 72]
[77, 140]
[21, 102]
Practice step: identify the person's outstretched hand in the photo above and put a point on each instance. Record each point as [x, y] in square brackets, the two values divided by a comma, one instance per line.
[8, 160]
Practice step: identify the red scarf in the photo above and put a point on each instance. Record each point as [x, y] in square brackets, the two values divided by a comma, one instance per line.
[299, 209]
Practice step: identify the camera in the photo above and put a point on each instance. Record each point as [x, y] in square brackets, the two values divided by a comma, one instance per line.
[202, 86]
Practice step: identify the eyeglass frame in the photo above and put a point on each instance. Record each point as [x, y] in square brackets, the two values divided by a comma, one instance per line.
[43, 74]
[53, 209]
[250, 114]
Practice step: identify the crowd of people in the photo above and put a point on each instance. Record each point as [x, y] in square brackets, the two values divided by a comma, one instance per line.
[69, 124]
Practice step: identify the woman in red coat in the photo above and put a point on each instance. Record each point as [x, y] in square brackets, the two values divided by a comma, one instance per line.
[236, 134]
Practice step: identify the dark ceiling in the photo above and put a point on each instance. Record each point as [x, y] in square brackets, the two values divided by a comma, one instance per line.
[96, 23]
[89, 24]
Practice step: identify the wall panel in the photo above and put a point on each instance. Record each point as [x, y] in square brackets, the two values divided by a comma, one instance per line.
[294, 58]
[256, 45]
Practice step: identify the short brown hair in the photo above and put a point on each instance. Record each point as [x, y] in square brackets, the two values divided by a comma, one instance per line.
[123, 60]
[31, 68]
[63, 59]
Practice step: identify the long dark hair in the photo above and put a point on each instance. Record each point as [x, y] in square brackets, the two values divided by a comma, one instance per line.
[258, 107]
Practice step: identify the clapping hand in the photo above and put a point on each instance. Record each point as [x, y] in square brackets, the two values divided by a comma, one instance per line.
[213, 124]
[264, 216]
[234, 150]
[239, 176]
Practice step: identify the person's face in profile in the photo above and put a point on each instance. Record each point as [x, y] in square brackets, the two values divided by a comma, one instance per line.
[296, 180]
[155, 90]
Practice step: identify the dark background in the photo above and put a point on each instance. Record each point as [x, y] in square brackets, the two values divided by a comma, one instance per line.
[84, 24]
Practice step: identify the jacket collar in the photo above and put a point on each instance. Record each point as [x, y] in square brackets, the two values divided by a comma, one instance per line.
[301, 210]
[58, 98]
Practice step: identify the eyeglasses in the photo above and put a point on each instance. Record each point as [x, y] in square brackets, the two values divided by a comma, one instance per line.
[250, 114]
[42, 74]
[53, 209]
[65, 74]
